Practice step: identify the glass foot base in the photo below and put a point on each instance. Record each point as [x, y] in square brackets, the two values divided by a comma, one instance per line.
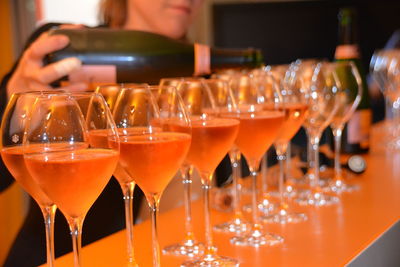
[289, 192]
[284, 217]
[394, 145]
[341, 187]
[257, 239]
[211, 261]
[300, 181]
[237, 226]
[132, 263]
[263, 207]
[309, 179]
[317, 199]
[189, 248]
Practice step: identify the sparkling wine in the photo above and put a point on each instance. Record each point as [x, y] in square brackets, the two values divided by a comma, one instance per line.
[98, 138]
[257, 132]
[14, 160]
[153, 159]
[211, 140]
[295, 114]
[72, 179]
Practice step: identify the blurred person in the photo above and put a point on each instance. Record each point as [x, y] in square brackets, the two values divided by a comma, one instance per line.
[170, 18]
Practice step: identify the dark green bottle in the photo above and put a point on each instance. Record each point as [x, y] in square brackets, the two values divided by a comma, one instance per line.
[135, 56]
[356, 135]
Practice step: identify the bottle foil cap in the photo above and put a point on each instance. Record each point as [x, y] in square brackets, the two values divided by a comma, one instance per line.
[347, 51]
[202, 59]
[357, 164]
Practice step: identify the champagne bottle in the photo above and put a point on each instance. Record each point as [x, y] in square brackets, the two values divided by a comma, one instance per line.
[355, 137]
[111, 56]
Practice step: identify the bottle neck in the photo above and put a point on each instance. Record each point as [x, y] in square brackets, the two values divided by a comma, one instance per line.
[348, 38]
[235, 58]
[207, 60]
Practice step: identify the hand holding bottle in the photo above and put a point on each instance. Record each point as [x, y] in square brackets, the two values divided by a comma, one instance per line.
[145, 57]
[32, 75]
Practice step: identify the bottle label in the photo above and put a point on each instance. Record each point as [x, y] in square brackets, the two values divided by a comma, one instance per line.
[202, 59]
[94, 74]
[347, 51]
[358, 128]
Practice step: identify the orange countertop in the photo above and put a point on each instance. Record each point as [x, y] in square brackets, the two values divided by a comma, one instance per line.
[332, 236]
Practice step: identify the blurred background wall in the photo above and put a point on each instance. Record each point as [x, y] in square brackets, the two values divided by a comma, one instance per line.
[12, 200]
[286, 30]
[6, 51]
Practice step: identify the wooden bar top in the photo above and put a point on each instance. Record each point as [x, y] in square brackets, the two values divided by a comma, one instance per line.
[332, 236]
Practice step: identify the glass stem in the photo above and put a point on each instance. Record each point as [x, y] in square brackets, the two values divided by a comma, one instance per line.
[337, 133]
[281, 150]
[75, 226]
[49, 213]
[315, 148]
[210, 249]
[281, 159]
[128, 190]
[235, 158]
[288, 162]
[388, 109]
[396, 118]
[310, 158]
[254, 201]
[264, 173]
[187, 183]
[153, 202]
[310, 161]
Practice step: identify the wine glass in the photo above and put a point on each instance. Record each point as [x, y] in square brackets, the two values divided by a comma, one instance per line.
[299, 75]
[323, 105]
[295, 107]
[212, 137]
[245, 87]
[71, 158]
[189, 246]
[173, 81]
[280, 74]
[110, 93]
[394, 95]
[379, 68]
[155, 135]
[226, 107]
[270, 79]
[13, 124]
[382, 66]
[235, 158]
[258, 130]
[390, 76]
[346, 77]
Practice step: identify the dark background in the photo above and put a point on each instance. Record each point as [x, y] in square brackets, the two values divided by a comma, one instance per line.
[286, 31]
